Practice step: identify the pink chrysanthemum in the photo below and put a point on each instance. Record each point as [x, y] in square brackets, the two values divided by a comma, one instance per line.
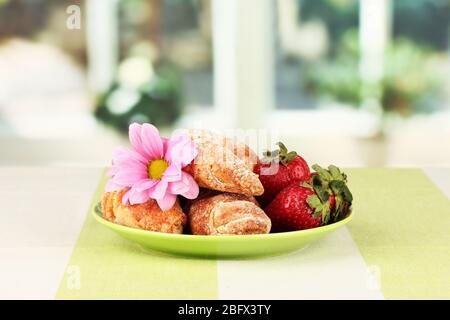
[153, 167]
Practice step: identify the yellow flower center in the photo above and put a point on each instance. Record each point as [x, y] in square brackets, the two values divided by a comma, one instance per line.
[156, 169]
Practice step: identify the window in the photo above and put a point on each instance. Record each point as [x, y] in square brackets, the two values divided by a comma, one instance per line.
[174, 31]
[164, 51]
[416, 77]
[315, 52]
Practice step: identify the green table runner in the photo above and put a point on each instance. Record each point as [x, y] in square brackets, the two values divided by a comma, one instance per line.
[110, 267]
[401, 227]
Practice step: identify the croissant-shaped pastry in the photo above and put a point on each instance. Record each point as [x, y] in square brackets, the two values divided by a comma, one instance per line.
[227, 214]
[223, 165]
[147, 216]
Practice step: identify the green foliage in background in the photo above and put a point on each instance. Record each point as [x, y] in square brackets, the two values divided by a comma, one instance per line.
[415, 62]
[157, 100]
[424, 21]
[338, 15]
[338, 78]
[412, 82]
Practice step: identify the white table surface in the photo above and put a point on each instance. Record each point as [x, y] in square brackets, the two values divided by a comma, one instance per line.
[42, 210]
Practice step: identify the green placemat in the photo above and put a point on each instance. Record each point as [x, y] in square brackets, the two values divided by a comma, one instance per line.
[105, 266]
[402, 229]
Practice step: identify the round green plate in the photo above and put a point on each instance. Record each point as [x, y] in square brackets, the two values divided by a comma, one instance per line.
[235, 246]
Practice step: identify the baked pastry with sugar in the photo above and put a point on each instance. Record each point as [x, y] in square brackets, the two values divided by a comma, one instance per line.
[223, 165]
[147, 216]
[227, 214]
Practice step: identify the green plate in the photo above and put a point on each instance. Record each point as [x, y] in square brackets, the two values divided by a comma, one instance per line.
[224, 247]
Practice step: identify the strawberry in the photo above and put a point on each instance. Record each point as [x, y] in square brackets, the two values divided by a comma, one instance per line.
[289, 211]
[326, 198]
[332, 192]
[332, 202]
[292, 168]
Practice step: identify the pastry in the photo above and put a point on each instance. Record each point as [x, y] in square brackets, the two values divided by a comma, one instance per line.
[223, 165]
[227, 214]
[147, 216]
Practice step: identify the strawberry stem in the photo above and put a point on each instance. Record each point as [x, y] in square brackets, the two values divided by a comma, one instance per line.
[325, 184]
[282, 155]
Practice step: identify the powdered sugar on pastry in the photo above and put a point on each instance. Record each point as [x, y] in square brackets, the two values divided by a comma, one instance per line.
[147, 216]
[227, 214]
[223, 165]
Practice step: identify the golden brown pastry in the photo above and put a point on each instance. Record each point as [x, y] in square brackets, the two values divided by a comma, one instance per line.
[147, 216]
[227, 214]
[224, 165]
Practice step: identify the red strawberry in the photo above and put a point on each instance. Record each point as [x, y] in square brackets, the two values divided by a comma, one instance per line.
[292, 168]
[289, 211]
[298, 169]
[331, 187]
[332, 202]
[302, 206]
[272, 183]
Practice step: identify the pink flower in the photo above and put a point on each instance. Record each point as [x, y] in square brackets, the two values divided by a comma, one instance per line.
[153, 167]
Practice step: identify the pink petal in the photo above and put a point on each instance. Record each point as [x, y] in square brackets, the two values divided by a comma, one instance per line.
[178, 187]
[151, 141]
[112, 186]
[172, 173]
[134, 134]
[181, 150]
[167, 202]
[165, 144]
[129, 165]
[122, 155]
[144, 185]
[112, 171]
[137, 197]
[119, 152]
[171, 143]
[188, 154]
[137, 156]
[187, 187]
[128, 178]
[193, 189]
[126, 197]
[159, 190]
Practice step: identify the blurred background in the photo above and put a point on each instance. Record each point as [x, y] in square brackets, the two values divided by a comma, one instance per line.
[356, 83]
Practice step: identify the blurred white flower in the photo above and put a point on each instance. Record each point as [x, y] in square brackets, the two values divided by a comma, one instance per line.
[122, 100]
[134, 72]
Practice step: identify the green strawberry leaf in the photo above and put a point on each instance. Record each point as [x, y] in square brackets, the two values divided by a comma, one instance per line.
[319, 189]
[337, 186]
[326, 213]
[314, 202]
[281, 155]
[347, 194]
[326, 183]
[338, 208]
[324, 174]
[317, 213]
[291, 156]
[335, 172]
[340, 188]
[305, 184]
[283, 149]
